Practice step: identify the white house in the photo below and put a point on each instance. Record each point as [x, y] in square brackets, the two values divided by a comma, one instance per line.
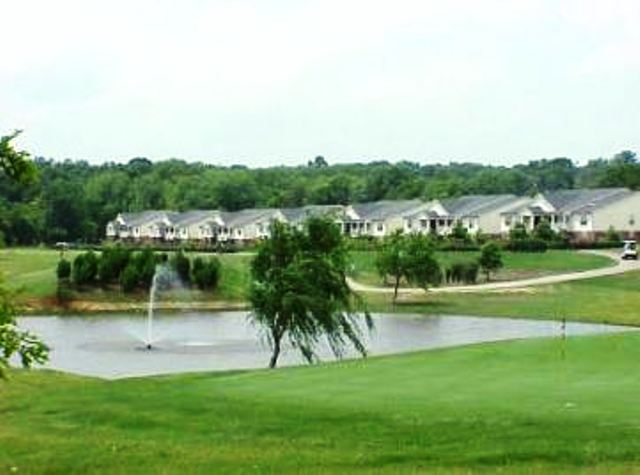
[586, 213]
[474, 212]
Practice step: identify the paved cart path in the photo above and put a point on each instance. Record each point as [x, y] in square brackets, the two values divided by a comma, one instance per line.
[619, 267]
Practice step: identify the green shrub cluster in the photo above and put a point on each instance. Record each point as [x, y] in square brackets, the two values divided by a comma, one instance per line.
[465, 272]
[134, 270]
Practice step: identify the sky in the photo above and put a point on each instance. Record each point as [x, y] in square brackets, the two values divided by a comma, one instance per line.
[262, 83]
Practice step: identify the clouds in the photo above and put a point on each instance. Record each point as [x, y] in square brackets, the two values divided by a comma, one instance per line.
[255, 82]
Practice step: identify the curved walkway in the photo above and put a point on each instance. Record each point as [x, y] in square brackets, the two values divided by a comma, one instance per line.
[618, 268]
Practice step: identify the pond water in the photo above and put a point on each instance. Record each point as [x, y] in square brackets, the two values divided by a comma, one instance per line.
[111, 346]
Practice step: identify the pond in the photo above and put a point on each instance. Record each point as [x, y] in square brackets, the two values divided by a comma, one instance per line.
[111, 346]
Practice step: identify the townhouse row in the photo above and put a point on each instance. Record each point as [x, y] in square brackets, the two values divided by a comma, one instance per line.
[585, 214]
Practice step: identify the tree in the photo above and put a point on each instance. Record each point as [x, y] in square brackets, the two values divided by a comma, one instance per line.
[63, 271]
[206, 274]
[18, 168]
[299, 290]
[409, 257]
[490, 258]
[182, 265]
[85, 269]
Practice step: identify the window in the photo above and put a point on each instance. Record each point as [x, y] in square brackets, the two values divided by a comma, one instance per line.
[632, 220]
[584, 220]
[380, 227]
[423, 223]
[409, 224]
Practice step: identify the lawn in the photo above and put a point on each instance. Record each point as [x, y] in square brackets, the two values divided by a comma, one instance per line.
[533, 406]
[517, 265]
[31, 271]
[614, 299]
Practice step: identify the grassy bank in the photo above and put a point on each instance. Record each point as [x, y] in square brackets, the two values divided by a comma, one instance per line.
[614, 299]
[31, 272]
[517, 265]
[527, 406]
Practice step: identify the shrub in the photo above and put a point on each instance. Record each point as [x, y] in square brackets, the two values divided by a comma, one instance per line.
[206, 274]
[544, 232]
[182, 266]
[129, 278]
[612, 235]
[518, 232]
[145, 263]
[490, 258]
[85, 269]
[527, 245]
[63, 271]
[112, 262]
[463, 272]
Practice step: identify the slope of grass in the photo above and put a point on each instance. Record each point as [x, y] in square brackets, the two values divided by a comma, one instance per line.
[526, 406]
[614, 299]
[517, 265]
[31, 271]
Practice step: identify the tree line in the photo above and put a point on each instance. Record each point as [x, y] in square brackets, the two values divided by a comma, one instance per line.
[73, 200]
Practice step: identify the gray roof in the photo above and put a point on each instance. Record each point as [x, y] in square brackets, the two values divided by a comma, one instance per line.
[234, 219]
[575, 201]
[144, 217]
[380, 210]
[191, 217]
[296, 215]
[474, 205]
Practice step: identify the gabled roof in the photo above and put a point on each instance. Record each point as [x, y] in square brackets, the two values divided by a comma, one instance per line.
[296, 215]
[146, 217]
[381, 210]
[191, 217]
[575, 201]
[474, 205]
[235, 219]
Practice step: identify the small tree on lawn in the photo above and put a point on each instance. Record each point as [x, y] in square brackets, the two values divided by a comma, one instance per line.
[299, 290]
[409, 257]
[490, 258]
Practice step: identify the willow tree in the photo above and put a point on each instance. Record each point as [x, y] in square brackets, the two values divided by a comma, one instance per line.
[299, 293]
[19, 168]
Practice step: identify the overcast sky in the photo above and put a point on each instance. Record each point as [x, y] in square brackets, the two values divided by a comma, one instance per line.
[279, 82]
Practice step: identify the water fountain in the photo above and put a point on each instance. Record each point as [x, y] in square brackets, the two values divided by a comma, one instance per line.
[165, 278]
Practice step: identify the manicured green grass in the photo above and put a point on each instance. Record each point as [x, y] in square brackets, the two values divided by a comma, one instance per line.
[614, 299]
[534, 406]
[32, 272]
[31, 269]
[517, 265]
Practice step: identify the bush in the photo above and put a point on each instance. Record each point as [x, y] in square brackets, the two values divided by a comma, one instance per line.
[544, 232]
[490, 258]
[206, 274]
[182, 266]
[463, 272]
[63, 271]
[527, 245]
[85, 269]
[129, 278]
[612, 235]
[112, 262]
[518, 232]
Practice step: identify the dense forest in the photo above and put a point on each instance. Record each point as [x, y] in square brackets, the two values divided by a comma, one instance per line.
[73, 200]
